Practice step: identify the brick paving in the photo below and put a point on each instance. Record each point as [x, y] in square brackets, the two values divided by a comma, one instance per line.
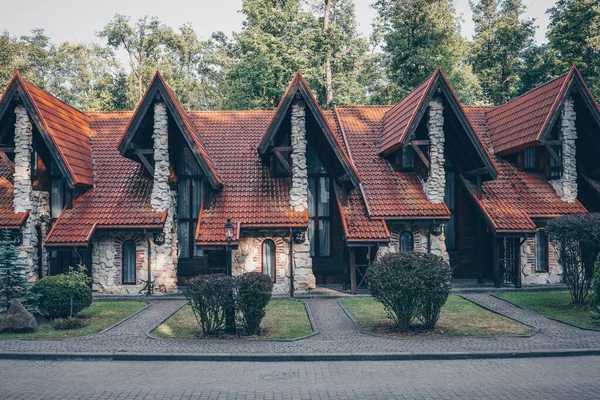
[337, 335]
[538, 378]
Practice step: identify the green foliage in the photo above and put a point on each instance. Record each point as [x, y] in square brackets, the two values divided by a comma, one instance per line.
[576, 239]
[410, 285]
[418, 36]
[210, 296]
[254, 291]
[63, 324]
[65, 295]
[14, 284]
[574, 34]
[596, 284]
[501, 42]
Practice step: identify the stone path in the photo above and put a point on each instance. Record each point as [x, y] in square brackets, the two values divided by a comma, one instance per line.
[337, 335]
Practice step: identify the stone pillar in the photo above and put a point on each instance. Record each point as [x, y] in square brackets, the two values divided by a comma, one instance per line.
[436, 181]
[566, 185]
[22, 176]
[303, 276]
[164, 257]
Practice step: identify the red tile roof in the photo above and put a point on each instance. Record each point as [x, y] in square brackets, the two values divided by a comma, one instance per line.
[8, 218]
[389, 194]
[251, 195]
[399, 118]
[522, 121]
[121, 197]
[69, 130]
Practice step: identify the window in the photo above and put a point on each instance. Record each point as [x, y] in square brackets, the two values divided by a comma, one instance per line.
[34, 170]
[406, 242]
[541, 251]
[529, 162]
[58, 194]
[268, 258]
[190, 186]
[408, 157]
[449, 196]
[129, 262]
[319, 193]
[555, 170]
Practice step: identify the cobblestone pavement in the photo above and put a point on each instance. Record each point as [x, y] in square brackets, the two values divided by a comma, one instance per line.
[537, 378]
[337, 335]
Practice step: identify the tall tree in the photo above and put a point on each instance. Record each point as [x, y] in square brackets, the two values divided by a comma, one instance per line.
[574, 34]
[328, 76]
[145, 43]
[418, 36]
[502, 40]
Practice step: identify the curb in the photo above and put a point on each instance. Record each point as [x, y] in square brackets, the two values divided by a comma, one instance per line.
[286, 357]
[545, 316]
[313, 327]
[360, 330]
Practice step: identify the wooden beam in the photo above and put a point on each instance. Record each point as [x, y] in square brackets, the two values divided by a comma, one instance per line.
[420, 142]
[553, 155]
[352, 261]
[553, 142]
[475, 172]
[7, 149]
[282, 148]
[283, 161]
[421, 155]
[145, 163]
[479, 187]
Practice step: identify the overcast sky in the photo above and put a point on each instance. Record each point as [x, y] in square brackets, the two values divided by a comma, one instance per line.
[77, 20]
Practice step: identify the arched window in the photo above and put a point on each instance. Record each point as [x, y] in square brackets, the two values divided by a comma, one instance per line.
[129, 262]
[406, 242]
[268, 258]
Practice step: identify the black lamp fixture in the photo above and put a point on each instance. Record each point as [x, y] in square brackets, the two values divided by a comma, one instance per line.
[229, 231]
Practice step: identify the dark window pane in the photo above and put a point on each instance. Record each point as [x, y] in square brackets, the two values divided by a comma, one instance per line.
[450, 189]
[312, 196]
[187, 164]
[57, 197]
[324, 239]
[183, 232]
[196, 197]
[184, 198]
[323, 200]
[530, 158]
[311, 236]
[129, 262]
[450, 232]
[406, 242]
[314, 163]
[408, 157]
[541, 251]
[268, 258]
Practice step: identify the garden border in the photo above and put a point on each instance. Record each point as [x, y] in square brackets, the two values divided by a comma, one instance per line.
[545, 316]
[313, 326]
[360, 330]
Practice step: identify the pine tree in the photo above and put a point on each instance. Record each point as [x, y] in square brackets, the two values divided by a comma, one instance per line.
[13, 274]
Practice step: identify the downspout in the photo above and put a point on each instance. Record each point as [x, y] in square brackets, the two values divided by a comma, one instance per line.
[149, 284]
[291, 251]
[429, 236]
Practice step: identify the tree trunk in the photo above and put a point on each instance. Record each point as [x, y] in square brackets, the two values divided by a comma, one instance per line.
[328, 76]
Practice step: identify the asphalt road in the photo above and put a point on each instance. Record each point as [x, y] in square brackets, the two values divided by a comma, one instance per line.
[538, 378]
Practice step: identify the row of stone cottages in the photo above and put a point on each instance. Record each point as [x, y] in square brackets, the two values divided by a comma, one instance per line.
[312, 196]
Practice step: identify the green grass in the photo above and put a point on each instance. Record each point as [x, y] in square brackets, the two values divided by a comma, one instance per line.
[285, 319]
[99, 316]
[459, 317]
[555, 305]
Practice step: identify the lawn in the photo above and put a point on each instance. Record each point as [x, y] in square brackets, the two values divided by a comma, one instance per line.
[459, 317]
[555, 305]
[285, 319]
[99, 316]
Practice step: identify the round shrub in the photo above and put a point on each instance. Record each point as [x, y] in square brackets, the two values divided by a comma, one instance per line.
[211, 297]
[410, 285]
[61, 296]
[254, 292]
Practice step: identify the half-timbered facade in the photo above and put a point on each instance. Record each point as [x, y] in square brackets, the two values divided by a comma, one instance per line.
[314, 196]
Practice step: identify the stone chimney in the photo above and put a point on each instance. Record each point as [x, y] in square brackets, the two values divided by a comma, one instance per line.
[299, 189]
[160, 188]
[22, 177]
[436, 181]
[566, 185]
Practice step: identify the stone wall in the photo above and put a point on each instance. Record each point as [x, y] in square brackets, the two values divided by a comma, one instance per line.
[420, 232]
[528, 274]
[566, 185]
[248, 256]
[26, 199]
[164, 257]
[436, 181]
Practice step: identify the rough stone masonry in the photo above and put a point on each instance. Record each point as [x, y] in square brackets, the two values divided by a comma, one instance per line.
[436, 181]
[566, 185]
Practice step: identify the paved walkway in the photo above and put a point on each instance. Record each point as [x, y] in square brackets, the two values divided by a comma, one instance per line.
[337, 335]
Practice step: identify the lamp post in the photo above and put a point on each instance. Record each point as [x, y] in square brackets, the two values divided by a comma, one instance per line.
[230, 310]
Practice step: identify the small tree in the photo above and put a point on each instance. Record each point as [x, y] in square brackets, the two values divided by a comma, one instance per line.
[210, 296]
[14, 284]
[576, 239]
[436, 279]
[254, 291]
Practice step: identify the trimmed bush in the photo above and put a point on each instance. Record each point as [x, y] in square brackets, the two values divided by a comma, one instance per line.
[410, 285]
[576, 239]
[254, 292]
[596, 284]
[210, 296]
[63, 296]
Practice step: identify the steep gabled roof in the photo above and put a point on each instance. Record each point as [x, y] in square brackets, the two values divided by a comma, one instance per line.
[299, 85]
[8, 218]
[525, 121]
[64, 129]
[403, 119]
[182, 119]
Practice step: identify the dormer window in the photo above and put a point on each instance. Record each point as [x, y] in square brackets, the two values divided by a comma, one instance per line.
[529, 162]
[190, 184]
